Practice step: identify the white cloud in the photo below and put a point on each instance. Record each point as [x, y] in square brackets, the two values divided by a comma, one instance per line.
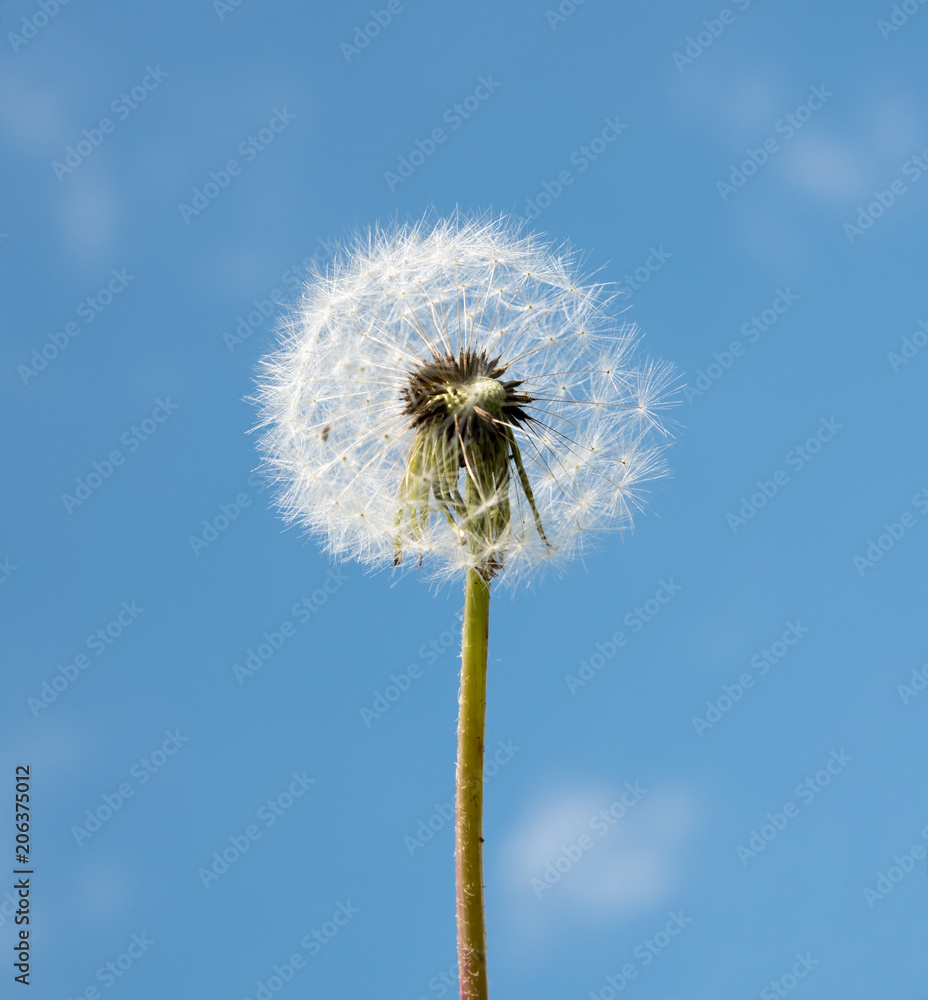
[824, 168]
[569, 857]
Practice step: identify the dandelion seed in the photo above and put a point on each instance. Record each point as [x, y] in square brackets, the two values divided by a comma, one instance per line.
[464, 355]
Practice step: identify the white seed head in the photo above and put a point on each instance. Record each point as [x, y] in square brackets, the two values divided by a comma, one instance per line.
[454, 394]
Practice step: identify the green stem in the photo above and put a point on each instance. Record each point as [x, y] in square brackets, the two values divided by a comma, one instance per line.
[472, 945]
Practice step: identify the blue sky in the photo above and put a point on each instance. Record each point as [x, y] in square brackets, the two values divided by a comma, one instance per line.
[748, 767]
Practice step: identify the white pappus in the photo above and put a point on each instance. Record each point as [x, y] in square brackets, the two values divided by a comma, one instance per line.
[454, 393]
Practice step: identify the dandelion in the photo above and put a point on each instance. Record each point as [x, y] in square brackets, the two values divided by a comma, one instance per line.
[454, 396]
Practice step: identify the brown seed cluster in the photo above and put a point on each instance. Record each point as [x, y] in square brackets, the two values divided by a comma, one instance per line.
[446, 393]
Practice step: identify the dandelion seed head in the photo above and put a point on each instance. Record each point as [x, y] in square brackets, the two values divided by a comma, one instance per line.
[455, 394]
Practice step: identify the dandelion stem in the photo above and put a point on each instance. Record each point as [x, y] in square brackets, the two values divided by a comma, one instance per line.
[472, 947]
